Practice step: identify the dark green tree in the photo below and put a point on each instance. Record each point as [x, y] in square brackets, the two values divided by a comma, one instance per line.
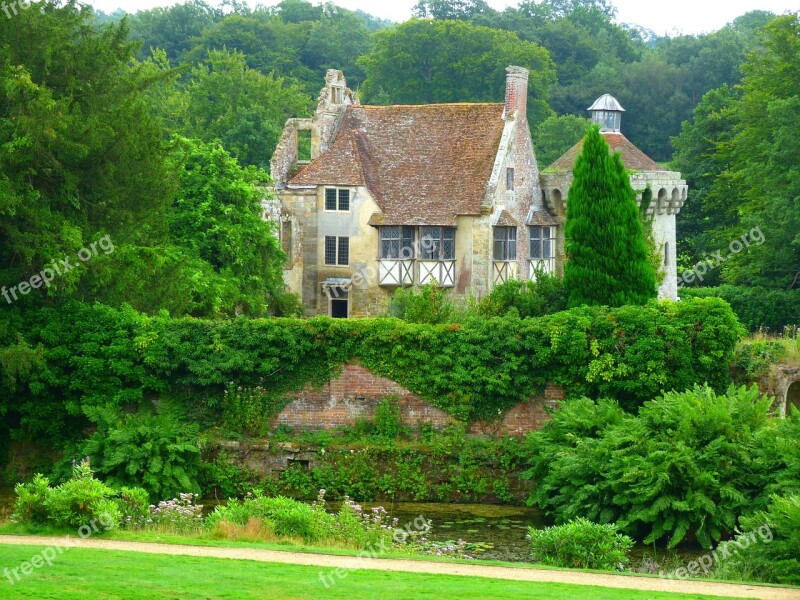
[223, 99]
[424, 62]
[766, 168]
[556, 135]
[607, 257]
[82, 156]
[217, 214]
[702, 154]
[173, 28]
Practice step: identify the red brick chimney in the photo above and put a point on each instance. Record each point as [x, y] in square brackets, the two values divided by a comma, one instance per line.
[516, 93]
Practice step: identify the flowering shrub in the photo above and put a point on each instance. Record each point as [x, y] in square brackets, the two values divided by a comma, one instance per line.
[179, 515]
[74, 503]
[350, 526]
[364, 528]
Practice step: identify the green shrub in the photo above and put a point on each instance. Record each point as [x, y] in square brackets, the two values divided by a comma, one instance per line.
[288, 517]
[388, 418]
[546, 295]
[431, 304]
[688, 463]
[31, 504]
[75, 503]
[756, 307]
[770, 550]
[566, 458]
[155, 451]
[686, 460]
[580, 544]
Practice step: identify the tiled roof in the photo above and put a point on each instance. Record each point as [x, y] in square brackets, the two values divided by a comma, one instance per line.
[506, 219]
[423, 164]
[633, 158]
[541, 218]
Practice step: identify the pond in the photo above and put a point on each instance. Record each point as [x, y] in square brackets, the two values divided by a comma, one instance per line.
[502, 528]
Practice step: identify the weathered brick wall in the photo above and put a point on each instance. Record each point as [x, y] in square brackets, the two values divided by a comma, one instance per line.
[357, 392]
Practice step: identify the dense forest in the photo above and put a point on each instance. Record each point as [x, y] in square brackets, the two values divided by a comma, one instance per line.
[154, 130]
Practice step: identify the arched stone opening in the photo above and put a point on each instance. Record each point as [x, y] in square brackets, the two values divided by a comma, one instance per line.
[793, 398]
[556, 201]
[661, 201]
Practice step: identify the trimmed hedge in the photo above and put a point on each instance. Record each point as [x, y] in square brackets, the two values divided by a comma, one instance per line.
[96, 355]
[755, 306]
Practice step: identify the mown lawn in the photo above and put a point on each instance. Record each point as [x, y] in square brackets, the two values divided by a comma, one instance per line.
[81, 573]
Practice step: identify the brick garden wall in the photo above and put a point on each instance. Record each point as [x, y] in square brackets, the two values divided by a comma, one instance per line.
[357, 392]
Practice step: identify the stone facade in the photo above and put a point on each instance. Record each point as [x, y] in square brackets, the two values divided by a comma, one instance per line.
[357, 392]
[466, 172]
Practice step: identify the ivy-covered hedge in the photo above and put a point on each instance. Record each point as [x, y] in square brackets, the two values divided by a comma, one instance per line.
[96, 355]
[755, 306]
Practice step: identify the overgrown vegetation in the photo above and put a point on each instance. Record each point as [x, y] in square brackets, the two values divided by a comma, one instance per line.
[689, 465]
[363, 463]
[474, 370]
[93, 507]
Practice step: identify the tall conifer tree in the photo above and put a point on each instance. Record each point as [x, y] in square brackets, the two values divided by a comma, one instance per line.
[607, 258]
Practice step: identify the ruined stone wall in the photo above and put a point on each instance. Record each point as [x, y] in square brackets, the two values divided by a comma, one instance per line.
[357, 392]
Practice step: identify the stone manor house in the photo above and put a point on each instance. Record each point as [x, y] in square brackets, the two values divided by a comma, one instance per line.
[373, 198]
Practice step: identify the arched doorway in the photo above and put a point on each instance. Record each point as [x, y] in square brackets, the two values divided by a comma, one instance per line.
[793, 398]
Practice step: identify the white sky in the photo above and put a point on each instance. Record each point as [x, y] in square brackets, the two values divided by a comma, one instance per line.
[662, 16]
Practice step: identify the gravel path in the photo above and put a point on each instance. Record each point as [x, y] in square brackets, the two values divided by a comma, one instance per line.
[728, 590]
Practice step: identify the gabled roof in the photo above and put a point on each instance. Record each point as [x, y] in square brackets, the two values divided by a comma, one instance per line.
[633, 158]
[505, 219]
[422, 164]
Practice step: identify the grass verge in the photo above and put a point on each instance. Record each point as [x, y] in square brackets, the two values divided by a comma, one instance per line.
[106, 574]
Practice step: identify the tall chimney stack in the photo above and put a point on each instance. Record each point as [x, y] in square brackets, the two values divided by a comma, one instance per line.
[516, 93]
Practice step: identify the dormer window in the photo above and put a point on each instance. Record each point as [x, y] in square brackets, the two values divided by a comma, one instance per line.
[337, 95]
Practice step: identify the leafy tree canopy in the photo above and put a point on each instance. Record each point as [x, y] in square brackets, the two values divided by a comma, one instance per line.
[423, 62]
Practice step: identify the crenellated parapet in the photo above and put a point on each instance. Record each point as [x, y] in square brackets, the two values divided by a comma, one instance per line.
[668, 188]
